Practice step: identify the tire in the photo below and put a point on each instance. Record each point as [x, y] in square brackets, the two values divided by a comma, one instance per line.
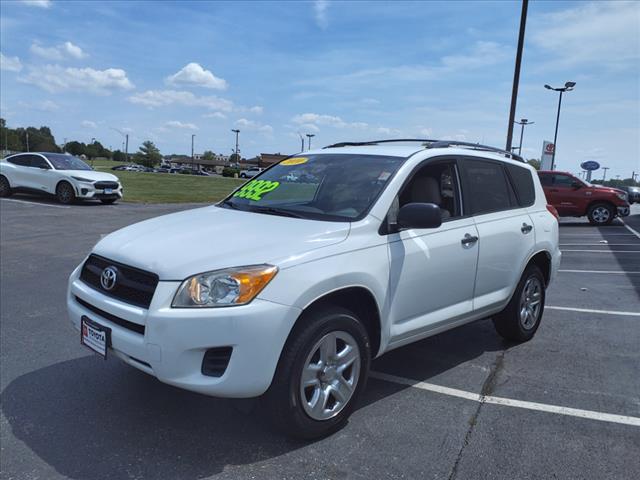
[601, 214]
[520, 320]
[307, 349]
[108, 201]
[5, 187]
[65, 193]
[242, 175]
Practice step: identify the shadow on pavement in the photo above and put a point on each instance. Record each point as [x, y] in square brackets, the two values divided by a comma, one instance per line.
[50, 200]
[91, 419]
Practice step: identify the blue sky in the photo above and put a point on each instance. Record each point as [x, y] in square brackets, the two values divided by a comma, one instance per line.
[340, 70]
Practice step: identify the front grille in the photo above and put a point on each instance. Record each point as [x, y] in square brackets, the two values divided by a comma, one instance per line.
[215, 361]
[132, 285]
[103, 185]
[134, 327]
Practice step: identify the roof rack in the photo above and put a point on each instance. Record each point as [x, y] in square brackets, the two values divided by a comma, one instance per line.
[429, 143]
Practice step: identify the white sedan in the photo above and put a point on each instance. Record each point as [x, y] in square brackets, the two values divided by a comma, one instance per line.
[63, 175]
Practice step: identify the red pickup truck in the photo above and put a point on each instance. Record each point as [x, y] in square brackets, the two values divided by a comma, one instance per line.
[573, 197]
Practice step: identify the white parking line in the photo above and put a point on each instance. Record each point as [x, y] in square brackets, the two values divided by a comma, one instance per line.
[33, 203]
[540, 407]
[600, 244]
[617, 272]
[589, 310]
[603, 251]
[635, 232]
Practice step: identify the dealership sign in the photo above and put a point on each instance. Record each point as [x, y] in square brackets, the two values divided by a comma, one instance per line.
[547, 155]
[590, 165]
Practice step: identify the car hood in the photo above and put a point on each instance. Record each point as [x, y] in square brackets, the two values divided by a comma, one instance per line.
[90, 175]
[182, 244]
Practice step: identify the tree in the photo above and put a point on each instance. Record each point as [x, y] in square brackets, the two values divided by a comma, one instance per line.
[75, 148]
[208, 155]
[119, 156]
[149, 155]
[535, 163]
[234, 158]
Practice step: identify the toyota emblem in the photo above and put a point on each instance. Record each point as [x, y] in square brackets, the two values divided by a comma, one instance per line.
[108, 278]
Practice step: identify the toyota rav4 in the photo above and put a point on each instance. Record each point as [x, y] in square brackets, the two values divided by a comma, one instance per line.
[289, 289]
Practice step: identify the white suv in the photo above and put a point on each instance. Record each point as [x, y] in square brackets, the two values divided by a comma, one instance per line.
[250, 172]
[63, 175]
[290, 289]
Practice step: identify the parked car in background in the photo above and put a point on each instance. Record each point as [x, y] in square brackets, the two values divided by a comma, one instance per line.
[632, 192]
[390, 245]
[66, 177]
[250, 172]
[573, 197]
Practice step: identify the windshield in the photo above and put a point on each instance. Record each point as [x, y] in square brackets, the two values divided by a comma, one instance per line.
[66, 162]
[339, 187]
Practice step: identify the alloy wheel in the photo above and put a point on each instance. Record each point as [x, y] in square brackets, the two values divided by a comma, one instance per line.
[530, 303]
[330, 375]
[601, 214]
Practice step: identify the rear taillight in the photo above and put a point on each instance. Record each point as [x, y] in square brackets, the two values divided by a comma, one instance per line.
[553, 211]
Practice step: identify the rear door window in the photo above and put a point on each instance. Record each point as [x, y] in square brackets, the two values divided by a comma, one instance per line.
[522, 182]
[485, 187]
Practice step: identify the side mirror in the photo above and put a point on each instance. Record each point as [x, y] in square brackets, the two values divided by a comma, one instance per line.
[419, 215]
[576, 185]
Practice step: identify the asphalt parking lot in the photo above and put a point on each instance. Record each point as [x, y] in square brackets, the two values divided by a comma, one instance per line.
[463, 404]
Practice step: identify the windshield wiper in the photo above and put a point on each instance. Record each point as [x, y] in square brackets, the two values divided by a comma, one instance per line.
[275, 211]
[229, 204]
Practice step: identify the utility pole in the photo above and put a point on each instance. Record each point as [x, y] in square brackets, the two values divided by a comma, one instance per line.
[633, 175]
[516, 73]
[193, 135]
[604, 175]
[301, 142]
[309, 136]
[237, 132]
[126, 148]
[27, 134]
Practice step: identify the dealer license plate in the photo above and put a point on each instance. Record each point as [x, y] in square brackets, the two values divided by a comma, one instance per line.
[108, 190]
[94, 336]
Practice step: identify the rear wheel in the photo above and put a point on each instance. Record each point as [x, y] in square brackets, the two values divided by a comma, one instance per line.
[5, 188]
[65, 193]
[601, 214]
[519, 321]
[108, 201]
[322, 371]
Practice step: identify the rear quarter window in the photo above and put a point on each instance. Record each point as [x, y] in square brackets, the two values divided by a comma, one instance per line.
[522, 182]
[22, 160]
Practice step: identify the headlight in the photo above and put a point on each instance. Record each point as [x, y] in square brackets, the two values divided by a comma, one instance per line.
[222, 288]
[80, 179]
[622, 196]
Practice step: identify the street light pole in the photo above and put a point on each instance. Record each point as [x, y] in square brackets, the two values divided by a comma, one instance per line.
[309, 136]
[237, 132]
[516, 73]
[568, 86]
[193, 135]
[604, 174]
[301, 141]
[522, 122]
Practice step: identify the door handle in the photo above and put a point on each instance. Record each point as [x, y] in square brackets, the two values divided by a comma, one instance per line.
[468, 240]
[526, 228]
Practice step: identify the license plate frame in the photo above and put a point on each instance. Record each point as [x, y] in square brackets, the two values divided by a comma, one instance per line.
[94, 336]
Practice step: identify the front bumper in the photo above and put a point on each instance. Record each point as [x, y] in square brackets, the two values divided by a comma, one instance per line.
[174, 341]
[88, 191]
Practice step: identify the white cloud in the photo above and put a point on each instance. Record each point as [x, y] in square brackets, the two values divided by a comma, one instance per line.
[257, 110]
[10, 64]
[194, 75]
[215, 115]
[320, 11]
[45, 106]
[159, 98]
[178, 124]
[88, 124]
[253, 125]
[598, 33]
[57, 53]
[38, 3]
[54, 78]
[326, 120]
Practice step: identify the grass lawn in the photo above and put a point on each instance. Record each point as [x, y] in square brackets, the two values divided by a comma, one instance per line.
[169, 188]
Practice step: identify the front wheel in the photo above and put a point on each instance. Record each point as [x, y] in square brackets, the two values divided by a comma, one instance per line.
[519, 321]
[601, 214]
[321, 373]
[5, 188]
[65, 193]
